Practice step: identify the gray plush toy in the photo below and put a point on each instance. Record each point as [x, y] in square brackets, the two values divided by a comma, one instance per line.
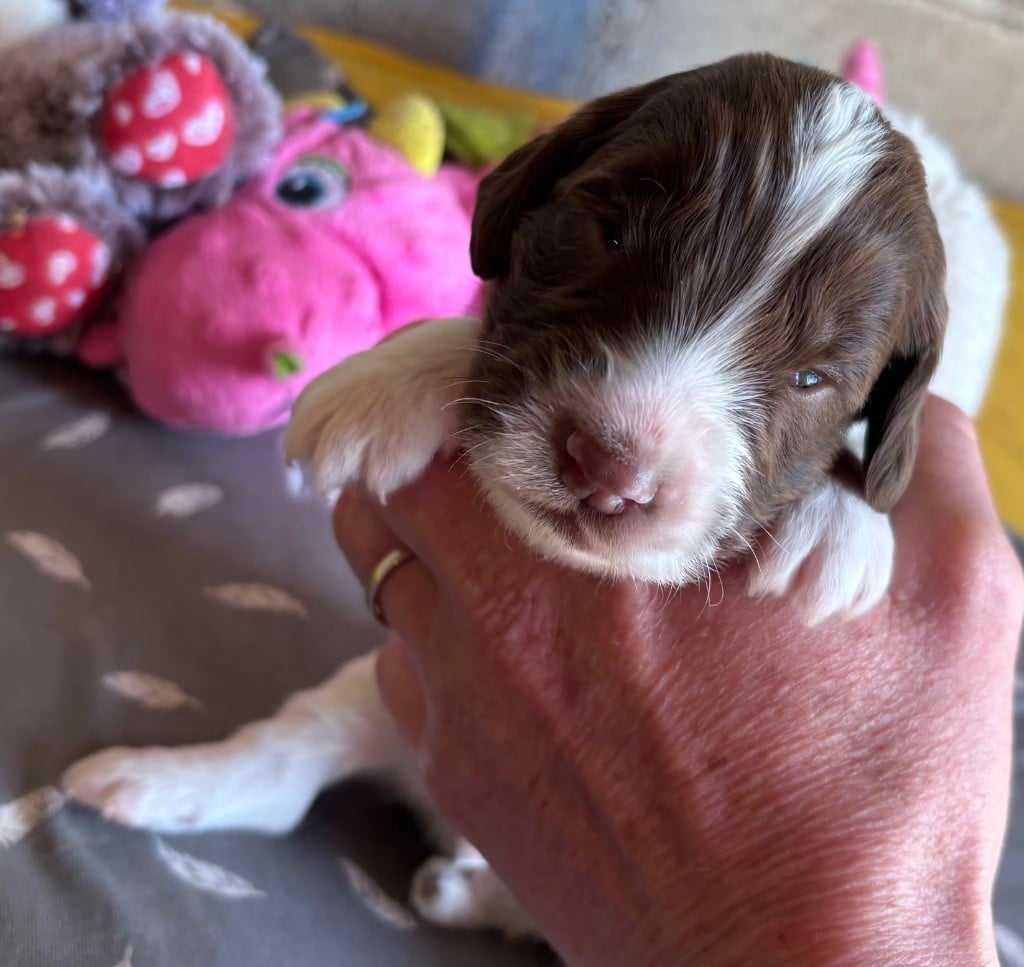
[114, 120]
[112, 11]
[56, 88]
[19, 19]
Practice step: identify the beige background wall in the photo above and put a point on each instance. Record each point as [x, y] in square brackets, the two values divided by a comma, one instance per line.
[959, 63]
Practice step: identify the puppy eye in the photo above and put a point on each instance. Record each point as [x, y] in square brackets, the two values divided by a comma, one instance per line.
[806, 379]
[613, 237]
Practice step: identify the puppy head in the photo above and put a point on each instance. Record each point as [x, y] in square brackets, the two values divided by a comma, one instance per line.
[697, 285]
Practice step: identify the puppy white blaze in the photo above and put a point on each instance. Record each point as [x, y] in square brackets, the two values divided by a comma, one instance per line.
[837, 138]
[684, 411]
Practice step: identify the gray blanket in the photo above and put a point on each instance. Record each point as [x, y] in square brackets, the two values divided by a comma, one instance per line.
[162, 588]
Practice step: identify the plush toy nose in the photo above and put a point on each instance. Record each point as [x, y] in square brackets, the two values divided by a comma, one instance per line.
[284, 363]
[604, 478]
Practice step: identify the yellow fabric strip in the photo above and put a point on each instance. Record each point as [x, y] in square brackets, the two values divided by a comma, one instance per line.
[1000, 427]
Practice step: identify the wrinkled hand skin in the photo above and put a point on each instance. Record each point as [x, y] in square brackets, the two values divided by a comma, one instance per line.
[684, 778]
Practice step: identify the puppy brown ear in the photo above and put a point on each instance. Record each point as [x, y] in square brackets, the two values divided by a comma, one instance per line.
[895, 406]
[525, 179]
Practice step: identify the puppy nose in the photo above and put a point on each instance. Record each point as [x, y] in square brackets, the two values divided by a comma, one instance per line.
[607, 480]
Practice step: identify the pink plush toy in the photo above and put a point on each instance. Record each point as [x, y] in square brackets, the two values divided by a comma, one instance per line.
[230, 313]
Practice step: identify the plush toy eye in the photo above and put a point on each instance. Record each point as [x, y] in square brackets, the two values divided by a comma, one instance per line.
[806, 379]
[314, 183]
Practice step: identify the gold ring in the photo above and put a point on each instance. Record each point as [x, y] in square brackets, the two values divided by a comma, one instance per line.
[380, 573]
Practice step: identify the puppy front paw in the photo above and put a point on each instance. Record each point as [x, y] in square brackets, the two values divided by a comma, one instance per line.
[354, 424]
[831, 554]
[379, 417]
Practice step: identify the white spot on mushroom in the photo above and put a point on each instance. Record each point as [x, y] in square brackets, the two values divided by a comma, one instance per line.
[100, 263]
[206, 127]
[11, 273]
[162, 147]
[173, 178]
[163, 96]
[60, 265]
[127, 160]
[43, 311]
[123, 113]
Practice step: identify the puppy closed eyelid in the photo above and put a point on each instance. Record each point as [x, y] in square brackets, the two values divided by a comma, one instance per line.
[613, 236]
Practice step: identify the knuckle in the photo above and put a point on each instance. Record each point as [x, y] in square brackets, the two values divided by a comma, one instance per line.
[954, 420]
[962, 425]
[351, 510]
[1006, 579]
[344, 509]
[986, 576]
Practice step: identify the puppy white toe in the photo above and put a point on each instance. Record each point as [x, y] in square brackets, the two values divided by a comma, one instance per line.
[466, 894]
[442, 894]
[831, 554]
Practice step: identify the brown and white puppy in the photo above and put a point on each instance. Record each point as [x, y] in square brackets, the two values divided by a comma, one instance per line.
[697, 286]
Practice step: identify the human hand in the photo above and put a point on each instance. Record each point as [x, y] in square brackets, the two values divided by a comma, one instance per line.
[691, 776]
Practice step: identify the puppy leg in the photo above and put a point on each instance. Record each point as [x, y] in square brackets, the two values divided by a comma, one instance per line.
[463, 891]
[830, 553]
[378, 418]
[264, 777]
